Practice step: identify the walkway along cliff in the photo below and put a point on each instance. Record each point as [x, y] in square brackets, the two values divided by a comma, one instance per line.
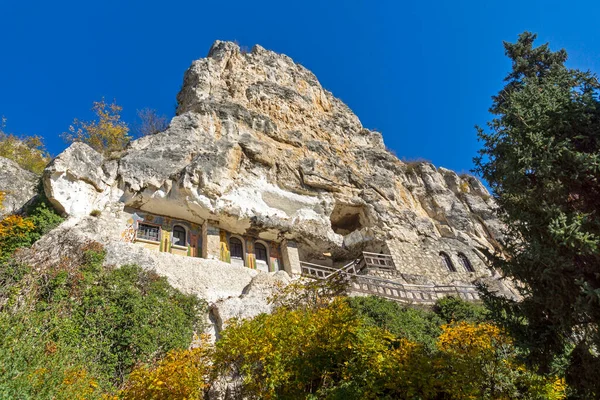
[262, 176]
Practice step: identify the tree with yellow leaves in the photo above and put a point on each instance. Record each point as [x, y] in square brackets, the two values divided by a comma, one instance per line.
[479, 361]
[106, 134]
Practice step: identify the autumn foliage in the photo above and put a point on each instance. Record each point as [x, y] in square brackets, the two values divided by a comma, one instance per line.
[106, 134]
[27, 151]
[182, 374]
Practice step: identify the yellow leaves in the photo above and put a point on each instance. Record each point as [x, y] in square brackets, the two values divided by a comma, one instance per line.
[2, 197]
[471, 339]
[15, 226]
[106, 134]
[558, 389]
[29, 152]
[181, 374]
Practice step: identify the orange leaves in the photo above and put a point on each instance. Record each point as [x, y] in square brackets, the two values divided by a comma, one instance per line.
[14, 233]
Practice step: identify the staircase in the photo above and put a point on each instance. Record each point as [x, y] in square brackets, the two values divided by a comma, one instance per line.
[373, 274]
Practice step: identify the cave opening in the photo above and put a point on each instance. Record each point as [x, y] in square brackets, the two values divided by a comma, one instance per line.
[346, 218]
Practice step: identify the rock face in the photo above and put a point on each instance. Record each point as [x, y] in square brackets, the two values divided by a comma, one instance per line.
[261, 152]
[18, 185]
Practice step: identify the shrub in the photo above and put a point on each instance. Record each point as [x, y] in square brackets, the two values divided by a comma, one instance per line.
[18, 231]
[416, 325]
[182, 374]
[332, 352]
[87, 323]
[454, 309]
[150, 122]
[27, 151]
[95, 213]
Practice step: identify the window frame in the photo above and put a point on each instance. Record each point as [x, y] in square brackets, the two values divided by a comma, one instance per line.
[185, 237]
[447, 261]
[266, 250]
[241, 246]
[159, 232]
[467, 265]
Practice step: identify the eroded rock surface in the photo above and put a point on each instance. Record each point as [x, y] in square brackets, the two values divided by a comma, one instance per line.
[259, 145]
[258, 148]
[19, 186]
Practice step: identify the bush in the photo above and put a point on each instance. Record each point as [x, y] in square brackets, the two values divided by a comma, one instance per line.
[332, 352]
[106, 134]
[453, 309]
[87, 326]
[182, 374]
[18, 231]
[27, 151]
[416, 325]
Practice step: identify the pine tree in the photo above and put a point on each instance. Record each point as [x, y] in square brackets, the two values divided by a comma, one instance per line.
[541, 158]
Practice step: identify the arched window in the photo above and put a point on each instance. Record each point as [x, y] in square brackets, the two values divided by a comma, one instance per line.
[179, 234]
[236, 250]
[466, 263]
[260, 251]
[447, 261]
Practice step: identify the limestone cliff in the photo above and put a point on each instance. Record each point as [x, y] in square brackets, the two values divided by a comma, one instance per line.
[259, 145]
[261, 152]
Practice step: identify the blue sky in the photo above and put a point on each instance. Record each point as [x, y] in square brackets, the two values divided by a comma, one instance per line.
[422, 73]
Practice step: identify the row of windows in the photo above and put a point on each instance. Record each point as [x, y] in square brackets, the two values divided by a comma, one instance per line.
[237, 250]
[152, 233]
[447, 261]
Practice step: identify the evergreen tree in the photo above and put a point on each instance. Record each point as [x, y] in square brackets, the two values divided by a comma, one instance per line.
[541, 157]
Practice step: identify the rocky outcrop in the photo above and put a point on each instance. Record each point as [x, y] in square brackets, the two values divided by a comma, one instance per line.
[18, 185]
[259, 145]
[259, 149]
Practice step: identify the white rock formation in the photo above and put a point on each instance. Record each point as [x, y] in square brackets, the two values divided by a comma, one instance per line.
[259, 148]
[17, 184]
[259, 145]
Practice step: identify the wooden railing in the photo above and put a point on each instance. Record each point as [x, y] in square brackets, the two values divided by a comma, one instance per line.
[410, 293]
[402, 292]
[315, 270]
[324, 272]
[377, 261]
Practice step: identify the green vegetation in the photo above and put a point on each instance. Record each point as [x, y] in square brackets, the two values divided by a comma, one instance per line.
[77, 329]
[415, 324]
[18, 231]
[337, 349]
[89, 319]
[541, 157]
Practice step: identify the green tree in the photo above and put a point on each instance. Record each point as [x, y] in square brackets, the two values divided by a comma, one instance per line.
[541, 158]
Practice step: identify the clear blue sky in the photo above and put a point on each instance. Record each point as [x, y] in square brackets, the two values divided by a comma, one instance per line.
[422, 72]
